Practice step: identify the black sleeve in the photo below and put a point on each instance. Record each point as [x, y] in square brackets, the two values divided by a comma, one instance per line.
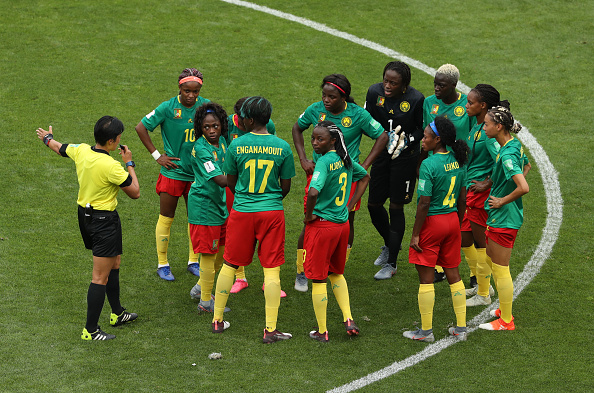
[63, 150]
[126, 182]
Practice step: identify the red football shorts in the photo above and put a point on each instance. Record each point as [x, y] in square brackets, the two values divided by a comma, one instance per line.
[505, 237]
[325, 244]
[173, 187]
[440, 240]
[244, 229]
[475, 207]
[352, 192]
[230, 198]
[206, 239]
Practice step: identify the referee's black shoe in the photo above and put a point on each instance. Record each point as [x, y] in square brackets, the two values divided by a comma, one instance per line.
[125, 316]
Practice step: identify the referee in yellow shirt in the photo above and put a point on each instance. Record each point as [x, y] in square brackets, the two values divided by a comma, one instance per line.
[100, 177]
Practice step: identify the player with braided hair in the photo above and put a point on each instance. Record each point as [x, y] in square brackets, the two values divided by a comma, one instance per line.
[504, 208]
[326, 223]
[436, 233]
[398, 107]
[337, 106]
[176, 118]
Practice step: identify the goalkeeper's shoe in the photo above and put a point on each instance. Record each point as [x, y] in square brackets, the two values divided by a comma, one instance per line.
[98, 335]
[125, 316]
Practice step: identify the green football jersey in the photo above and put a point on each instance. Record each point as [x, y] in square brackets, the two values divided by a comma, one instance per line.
[206, 199]
[333, 182]
[508, 163]
[456, 112]
[440, 177]
[235, 132]
[259, 161]
[354, 121]
[483, 152]
[177, 131]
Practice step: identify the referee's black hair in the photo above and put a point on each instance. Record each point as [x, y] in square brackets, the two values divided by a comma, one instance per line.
[190, 72]
[447, 133]
[502, 115]
[339, 144]
[490, 96]
[210, 108]
[107, 128]
[257, 108]
[401, 69]
[342, 82]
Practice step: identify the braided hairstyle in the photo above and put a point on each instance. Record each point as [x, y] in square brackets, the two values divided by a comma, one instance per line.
[490, 96]
[502, 115]
[447, 133]
[210, 108]
[190, 72]
[257, 108]
[339, 144]
[401, 69]
[342, 82]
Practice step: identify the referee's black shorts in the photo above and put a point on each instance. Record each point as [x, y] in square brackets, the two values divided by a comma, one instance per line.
[394, 179]
[102, 232]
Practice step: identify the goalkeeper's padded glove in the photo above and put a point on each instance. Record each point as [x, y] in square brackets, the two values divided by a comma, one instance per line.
[397, 142]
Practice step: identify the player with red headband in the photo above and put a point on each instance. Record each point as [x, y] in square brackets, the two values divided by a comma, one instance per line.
[176, 117]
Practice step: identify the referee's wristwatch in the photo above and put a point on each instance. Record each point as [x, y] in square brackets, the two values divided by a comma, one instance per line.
[130, 163]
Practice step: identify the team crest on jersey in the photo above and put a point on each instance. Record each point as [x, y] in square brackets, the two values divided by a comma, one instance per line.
[434, 109]
[214, 154]
[322, 117]
[459, 111]
[380, 101]
[346, 121]
[404, 106]
[177, 113]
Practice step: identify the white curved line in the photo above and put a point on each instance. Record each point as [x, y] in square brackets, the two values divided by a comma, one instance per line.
[550, 180]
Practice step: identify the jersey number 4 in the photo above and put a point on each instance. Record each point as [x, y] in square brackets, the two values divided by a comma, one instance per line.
[260, 164]
[450, 199]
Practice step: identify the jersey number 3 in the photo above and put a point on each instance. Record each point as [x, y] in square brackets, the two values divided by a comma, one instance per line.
[342, 180]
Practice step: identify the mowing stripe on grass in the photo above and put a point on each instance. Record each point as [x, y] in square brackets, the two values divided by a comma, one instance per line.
[550, 180]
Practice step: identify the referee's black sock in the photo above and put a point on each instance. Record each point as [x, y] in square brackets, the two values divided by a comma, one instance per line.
[95, 300]
[381, 222]
[112, 290]
[397, 226]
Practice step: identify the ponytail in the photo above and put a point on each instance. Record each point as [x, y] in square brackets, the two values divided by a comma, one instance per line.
[339, 144]
[447, 133]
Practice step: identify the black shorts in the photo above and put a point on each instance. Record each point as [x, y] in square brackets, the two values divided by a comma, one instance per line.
[394, 179]
[102, 232]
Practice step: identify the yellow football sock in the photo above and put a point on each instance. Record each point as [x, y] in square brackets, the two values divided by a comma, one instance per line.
[459, 302]
[219, 259]
[341, 293]
[439, 270]
[426, 299]
[192, 257]
[505, 289]
[348, 254]
[319, 297]
[207, 275]
[272, 292]
[162, 233]
[299, 262]
[240, 273]
[471, 258]
[483, 272]
[224, 284]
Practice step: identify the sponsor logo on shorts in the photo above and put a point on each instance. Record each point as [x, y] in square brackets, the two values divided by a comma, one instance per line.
[346, 121]
[459, 111]
[177, 113]
[404, 106]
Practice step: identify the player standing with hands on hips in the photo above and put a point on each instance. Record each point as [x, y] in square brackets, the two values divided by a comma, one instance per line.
[176, 118]
[100, 177]
[398, 107]
[326, 224]
[259, 168]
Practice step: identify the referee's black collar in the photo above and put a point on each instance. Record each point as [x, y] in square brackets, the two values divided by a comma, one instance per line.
[99, 150]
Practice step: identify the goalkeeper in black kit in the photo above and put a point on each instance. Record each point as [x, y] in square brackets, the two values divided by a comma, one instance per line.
[398, 107]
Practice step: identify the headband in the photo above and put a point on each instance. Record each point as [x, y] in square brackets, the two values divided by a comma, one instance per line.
[338, 87]
[190, 79]
[432, 125]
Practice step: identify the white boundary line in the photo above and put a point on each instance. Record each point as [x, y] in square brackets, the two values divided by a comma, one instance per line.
[550, 180]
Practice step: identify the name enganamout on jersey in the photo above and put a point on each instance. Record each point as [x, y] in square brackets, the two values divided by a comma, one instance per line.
[275, 151]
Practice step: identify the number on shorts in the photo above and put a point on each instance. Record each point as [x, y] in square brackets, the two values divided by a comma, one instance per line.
[450, 199]
[407, 186]
[341, 180]
[251, 165]
[190, 135]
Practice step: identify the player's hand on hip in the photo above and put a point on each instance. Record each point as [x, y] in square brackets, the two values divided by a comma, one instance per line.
[308, 166]
[168, 162]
